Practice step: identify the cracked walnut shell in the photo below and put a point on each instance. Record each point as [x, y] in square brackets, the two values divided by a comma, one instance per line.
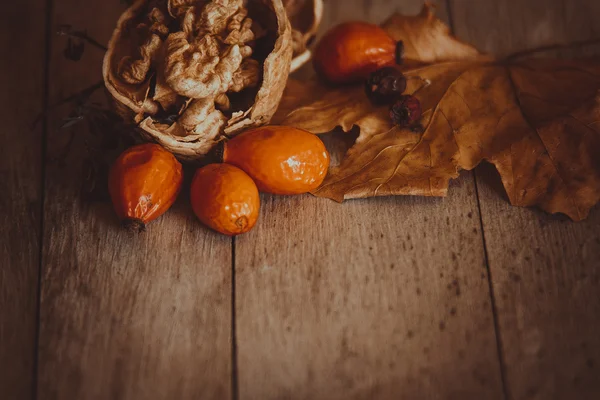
[305, 17]
[189, 73]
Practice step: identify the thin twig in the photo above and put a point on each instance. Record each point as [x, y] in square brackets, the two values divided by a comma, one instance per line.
[82, 93]
[573, 45]
[65, 30]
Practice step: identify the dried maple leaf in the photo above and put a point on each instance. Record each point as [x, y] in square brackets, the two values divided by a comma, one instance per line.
[537, 121]
[426, 38]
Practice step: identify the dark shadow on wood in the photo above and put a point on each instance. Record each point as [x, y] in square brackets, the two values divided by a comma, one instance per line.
[45, 127]
[338, 143]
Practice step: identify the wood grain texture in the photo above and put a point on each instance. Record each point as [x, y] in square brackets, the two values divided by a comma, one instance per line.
[21, 99]
[545, 269]
[124, 317]
[370, 299]
[383, 298]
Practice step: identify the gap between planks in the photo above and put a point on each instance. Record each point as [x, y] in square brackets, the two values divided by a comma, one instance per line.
[499, 346]
[545, 266]
[494, 308]
[234, 362]
[121, 316]
[45, 126]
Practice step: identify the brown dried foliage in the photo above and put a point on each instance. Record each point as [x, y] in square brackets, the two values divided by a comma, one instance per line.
[537, 121]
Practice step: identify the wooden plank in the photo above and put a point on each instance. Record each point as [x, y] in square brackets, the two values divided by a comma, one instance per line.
[382, 299]
[21, 99]
[545, 269]
[124, 317]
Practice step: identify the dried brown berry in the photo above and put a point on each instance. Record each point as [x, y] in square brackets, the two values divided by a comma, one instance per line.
[385, 85]
[406, 111]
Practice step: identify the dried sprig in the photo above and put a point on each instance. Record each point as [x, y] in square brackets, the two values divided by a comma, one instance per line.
[76, 41]
[106, 134]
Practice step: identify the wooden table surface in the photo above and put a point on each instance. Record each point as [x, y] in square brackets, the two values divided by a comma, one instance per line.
[465, 297]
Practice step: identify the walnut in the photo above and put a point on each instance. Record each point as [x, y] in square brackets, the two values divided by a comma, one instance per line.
[177, 8]
[217, 14]
[202, 117]
[199, 70]
[172, 67]
[189, 21]
[222, 102]
[134, 70]
[240, 29]
[247, 75]
[158, 19]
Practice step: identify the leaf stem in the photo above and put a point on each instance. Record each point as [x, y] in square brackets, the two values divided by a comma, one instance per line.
[65, 30]
[573, 45]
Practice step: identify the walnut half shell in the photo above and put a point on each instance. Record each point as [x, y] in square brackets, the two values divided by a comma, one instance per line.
[191, 72]
[305, 17]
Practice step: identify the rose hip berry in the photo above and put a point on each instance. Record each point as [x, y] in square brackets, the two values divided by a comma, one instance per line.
[280, 159]
[143, 184]
[225, 199]
[349, 52]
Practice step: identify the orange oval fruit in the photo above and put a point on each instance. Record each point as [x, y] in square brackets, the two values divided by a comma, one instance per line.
[280, 159]
[349, 52]
[144, 183]
[225, 199]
